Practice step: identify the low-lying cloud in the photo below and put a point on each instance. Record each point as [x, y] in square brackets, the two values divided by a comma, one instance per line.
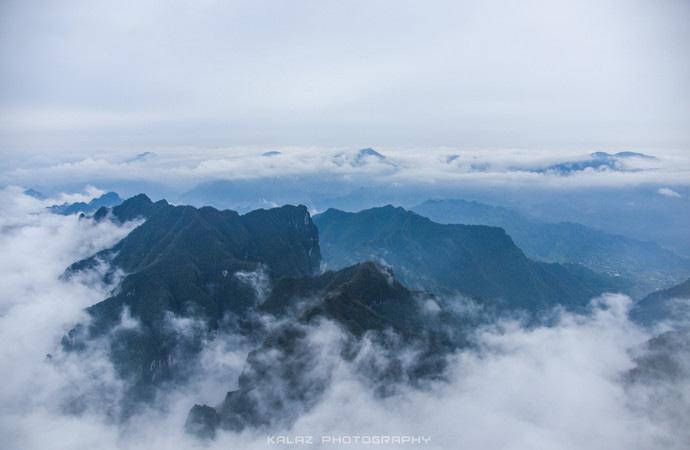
[667, 192]
[180, 171]
[559, 386]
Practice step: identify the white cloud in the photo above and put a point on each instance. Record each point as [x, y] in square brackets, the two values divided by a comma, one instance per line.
[183, 168]
[521, 387]
[547, 387]
[667, 192]
[37, 308]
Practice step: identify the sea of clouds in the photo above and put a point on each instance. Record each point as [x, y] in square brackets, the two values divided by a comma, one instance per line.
[520, 387]
[181, 169]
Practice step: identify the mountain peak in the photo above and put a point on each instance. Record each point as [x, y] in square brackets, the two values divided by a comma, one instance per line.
[366, 154]
[196, 263]
[370, 152]
[138, 207]
[478, 261]
[31, 192]
[109, 199]
[660, 305]
[626, 154]
[361, 299]
[145, 156]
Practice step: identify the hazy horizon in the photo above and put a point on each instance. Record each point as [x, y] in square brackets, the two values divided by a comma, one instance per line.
[86, 76]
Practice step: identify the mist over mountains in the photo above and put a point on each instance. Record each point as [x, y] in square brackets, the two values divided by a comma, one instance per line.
[646, 263]
[480, 262]
[593, 191]
[225, 328]
[264, 225]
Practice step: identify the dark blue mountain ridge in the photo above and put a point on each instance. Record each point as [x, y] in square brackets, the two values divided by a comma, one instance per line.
[361, 158]
[363, 153]
[605, 155]
[38, 195]
[650, 266]
[184, 262]
[287, 372]
[181, 262]
[597, 161]
[108, 199]
[144, 156]
[478, 261]
[663, 304]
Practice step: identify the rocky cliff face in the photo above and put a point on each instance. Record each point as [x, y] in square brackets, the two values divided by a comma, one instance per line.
[201, 264]
[289, 372]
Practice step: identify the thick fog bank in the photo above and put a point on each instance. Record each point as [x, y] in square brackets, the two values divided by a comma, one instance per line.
[565, 386]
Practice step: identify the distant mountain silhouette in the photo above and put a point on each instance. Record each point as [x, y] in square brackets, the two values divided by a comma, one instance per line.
[366, 153]
[137, 207]
[650, 266]
[144, 156]
[661, 371]
[606, 155]
[35, 194]
[478, 261]
[106, 200]
[664, 304]
[597, 161]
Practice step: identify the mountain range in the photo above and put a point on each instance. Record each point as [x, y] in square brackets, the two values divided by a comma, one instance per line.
[650, 266]
[106, 200]
[668, 304]
[597, 161]
[290, 372]
[384, 277]
[188, 274]
[477, 261]
[184, 262]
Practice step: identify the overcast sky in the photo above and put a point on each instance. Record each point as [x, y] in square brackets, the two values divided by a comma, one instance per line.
[90, 75]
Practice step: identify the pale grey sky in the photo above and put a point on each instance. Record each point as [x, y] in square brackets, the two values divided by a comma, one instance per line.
[93, 75]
